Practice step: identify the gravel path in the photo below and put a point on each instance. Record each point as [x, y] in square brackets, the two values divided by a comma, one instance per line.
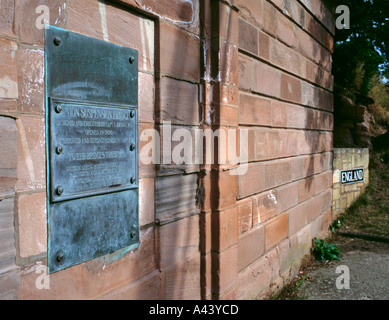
[368, 266]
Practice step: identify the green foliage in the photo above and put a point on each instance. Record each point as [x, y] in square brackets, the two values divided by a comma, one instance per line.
[362, 200]
[362, 50]
[335, 225]
[380, 93]
[292, 290]
[325, 251]
[370, 212]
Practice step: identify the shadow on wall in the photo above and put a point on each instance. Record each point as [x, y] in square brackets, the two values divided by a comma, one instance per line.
[323, 98]
[176, 186]
[218, 69]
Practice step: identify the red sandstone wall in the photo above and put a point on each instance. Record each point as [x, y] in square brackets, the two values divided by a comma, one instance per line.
[244, 64]
[285, 102]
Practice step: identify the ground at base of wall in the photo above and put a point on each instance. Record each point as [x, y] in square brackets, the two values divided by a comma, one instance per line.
[370, 212]
[366, 263]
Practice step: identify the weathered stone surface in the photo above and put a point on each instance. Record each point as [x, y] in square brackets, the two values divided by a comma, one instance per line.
[225, 228]
[31, 80]
[8, 70]
[7, 15]
[7, 238]
[9, 284]
[30, 15]
[178, 241]
[109, 22]
[184, 13]
[32, 224]
[175, 197]
[149, 287]
[8, 159]
[257, 277]
[247, 252]
[178, 101]
[182, 282]
[31, 150]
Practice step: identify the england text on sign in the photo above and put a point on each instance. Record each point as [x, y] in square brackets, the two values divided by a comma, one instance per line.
[351, 176]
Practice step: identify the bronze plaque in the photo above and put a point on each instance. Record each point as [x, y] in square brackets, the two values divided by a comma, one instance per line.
[91, 140]
[92, 149]
[85, 228]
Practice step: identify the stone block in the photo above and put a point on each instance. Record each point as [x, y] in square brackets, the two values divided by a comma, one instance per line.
[178, 241]
[8, 70]
[224, 228]
[248, 252]
[276, 230]
[31, 169]
[254, 110]
[178, 101]
[184, 61]
[32, 224]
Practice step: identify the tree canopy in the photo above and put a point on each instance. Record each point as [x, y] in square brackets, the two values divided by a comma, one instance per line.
[362, 50]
